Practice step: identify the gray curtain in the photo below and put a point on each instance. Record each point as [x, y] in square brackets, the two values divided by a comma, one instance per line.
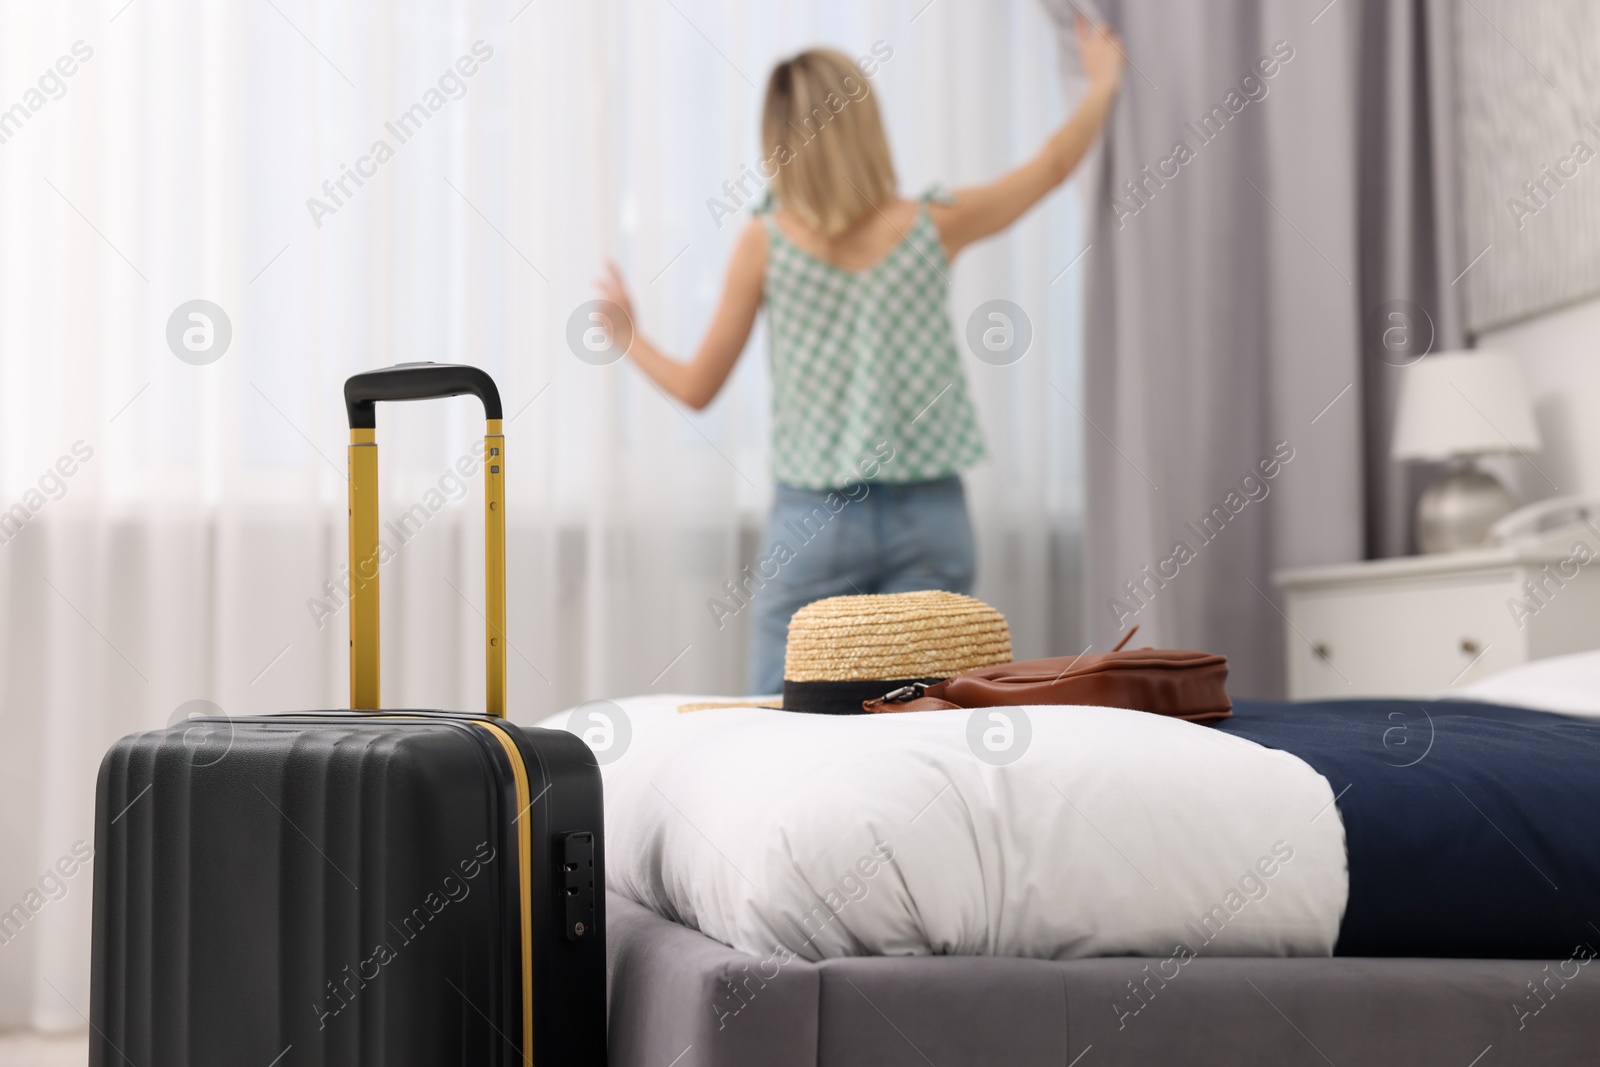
[1273, 240]
[1410, 234]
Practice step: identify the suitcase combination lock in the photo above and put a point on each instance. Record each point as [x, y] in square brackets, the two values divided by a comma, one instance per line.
[577, 884]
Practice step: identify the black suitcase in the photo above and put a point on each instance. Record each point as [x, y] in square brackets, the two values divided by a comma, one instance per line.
[339, 888]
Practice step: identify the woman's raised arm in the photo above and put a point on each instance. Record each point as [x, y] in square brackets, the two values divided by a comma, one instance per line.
[698, 381]
[982, 210]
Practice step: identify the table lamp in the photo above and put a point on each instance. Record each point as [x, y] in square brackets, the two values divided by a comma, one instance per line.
[1454, 407]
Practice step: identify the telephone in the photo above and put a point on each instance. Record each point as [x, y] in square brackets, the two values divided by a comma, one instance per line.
[1552, 519]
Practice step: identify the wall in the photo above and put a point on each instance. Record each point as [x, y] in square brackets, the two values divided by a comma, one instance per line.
[1559, 354]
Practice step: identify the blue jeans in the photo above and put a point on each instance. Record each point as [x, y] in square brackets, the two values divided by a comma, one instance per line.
[883, 538]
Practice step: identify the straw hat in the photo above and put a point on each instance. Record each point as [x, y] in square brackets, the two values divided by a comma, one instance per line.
[847, 649]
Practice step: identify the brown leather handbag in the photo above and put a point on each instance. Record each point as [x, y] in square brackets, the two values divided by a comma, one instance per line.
[1182, 684]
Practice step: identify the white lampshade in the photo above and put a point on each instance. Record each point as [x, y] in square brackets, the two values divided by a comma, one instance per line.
[1463, 404]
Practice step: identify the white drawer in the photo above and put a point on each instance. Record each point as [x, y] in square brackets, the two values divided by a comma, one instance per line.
[1411, 638]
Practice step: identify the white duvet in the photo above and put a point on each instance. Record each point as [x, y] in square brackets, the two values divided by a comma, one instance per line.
[1114, 832]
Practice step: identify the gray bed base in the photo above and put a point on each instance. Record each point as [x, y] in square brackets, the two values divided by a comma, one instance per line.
[680, 999]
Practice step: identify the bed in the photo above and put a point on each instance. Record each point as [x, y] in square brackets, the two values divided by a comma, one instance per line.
[840, 891]
[680, 999]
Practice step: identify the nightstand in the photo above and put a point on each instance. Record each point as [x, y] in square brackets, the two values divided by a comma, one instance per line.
[1418, 625]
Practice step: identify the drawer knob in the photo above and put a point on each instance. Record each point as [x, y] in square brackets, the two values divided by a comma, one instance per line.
[1322, 651]
[1469, 647]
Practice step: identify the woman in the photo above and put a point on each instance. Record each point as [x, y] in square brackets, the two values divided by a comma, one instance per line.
[871, 419]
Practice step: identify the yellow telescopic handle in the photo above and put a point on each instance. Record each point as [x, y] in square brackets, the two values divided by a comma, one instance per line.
[363, 467]
[494, 555]
[420, 381]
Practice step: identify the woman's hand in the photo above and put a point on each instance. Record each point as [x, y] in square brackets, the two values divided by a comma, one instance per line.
[1101, 52]
[614, 290]
[697, 381]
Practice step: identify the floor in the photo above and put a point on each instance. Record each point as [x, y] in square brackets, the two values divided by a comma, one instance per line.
[35, 1050]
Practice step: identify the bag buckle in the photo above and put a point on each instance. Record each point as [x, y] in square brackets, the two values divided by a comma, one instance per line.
[905, 694]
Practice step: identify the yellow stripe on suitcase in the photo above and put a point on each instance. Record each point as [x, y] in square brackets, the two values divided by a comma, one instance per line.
[524, 882]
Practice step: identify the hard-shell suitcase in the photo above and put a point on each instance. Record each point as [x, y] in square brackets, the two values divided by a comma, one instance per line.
[340, 888]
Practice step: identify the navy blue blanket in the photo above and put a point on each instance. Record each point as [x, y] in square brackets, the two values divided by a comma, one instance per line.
[1472, 830]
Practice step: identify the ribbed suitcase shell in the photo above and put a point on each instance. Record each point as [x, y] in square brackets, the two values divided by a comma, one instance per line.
[340, 889]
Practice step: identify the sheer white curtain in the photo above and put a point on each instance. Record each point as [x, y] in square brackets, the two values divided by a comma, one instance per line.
[185, 554]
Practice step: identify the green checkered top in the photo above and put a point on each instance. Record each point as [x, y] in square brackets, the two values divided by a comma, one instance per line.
[864, 357]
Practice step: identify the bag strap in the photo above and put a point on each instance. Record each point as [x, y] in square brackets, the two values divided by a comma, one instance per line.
[922, 703]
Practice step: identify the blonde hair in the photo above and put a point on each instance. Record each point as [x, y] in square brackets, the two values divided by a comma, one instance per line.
[824, 141]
